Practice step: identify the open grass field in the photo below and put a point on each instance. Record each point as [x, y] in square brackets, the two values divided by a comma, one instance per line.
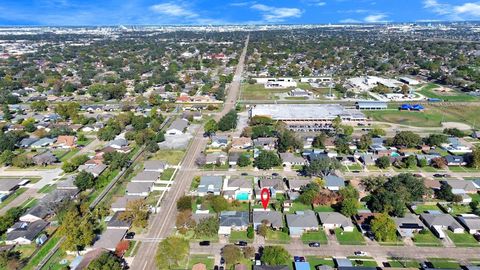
[431, 117]
[429, 91]
[258, 92]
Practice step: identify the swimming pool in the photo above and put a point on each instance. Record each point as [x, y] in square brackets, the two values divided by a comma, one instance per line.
[244, 196]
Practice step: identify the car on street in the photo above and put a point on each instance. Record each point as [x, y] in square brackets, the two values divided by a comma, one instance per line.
[204, 243]
[130, 235]
[360, 253]
[244, 174]
[222, 260]
[215, 267]
[314, 244]
[298, 259]
[274, 174]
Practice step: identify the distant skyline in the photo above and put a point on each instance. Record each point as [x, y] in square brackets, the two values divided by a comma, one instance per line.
[195, 12]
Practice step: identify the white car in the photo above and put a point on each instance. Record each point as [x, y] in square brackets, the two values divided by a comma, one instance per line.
[360, 253]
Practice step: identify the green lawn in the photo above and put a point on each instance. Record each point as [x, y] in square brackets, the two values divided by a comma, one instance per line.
[47, 189]
[208, 260]
[422, 208]
[315, 237]
[54, 262]
[315, 261]
[296, 206]
[172, 157]
[29, 203]
[236, 236]
[403, 263]
[456, 96]
[35, 260]
[132, 248]
[259, 92]
[463, 239]
[426, 239]
[349, 238]
[277, 237]
[364, 263]
[12, 197]
[323, 208]
[167, 174]
[444, 263]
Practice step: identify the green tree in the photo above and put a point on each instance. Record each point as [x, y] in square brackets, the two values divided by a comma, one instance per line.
[7, 115]
[406, 139]
[207, 227]
[39, 106]
[319, 141]
[106, 261]
[365, 142]
[250, 232]
[244, 161]
[219, 203]
[228, 121]
[10, 260]
[267, 160]
[349, 207]
[184, 203]
[84, 180]
[78, 230]
[6, 158]
[436, 139]
[210, 126]
[321, 167]
[262, 229]
[137, 212]
[384, 228]
[152, 147]
[383, 162]
[287, 141]
[377, 132]
[475, 160]
[232, 254]
[172, 251]
[275, 255]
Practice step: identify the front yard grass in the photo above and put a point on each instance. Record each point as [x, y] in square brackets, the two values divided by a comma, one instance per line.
[319, 236]
[444, 263]
[167, 174]
[208, 260]
[426, 239]
[463, 239]
[172, 157]
[277, 237]
[316, 261]
[400, 263]
[12, 197]
[236, 236]
[349, 238]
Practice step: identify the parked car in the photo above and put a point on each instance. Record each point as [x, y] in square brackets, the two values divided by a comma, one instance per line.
[360, 253]
[244, 174]
[314, 244]
[274, 174]
[204, 243]
[221, 268]
[215, 267]
[130, 235]
[298, 258]
[222, 260]
[241, 243]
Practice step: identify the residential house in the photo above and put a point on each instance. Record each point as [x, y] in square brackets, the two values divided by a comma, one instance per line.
[115, 222]
[408, 225]
[95, 169]
[146, 176]
[266, 143]
[471, 222]
[154, 166]
[233, 158]
[367, 159]
[65, 141]
[332, 220]
[296, 184]
[117, 143]
[44, 159]
[438, 222]
[461, 186]
[233, 220]
[8, 186]
[27, 142]
[139, 188]
[241, 143]
[177, 127]
[38, 212]
[110, 238]
[364, 220]
[273, 219]
[273, 184]
[455, 147]
[301, 221]
[43, 142]
[238, 188]
[334, 183]
[219, 141]
[455, 160]
[216, 158]
[120, 203]
[24, 233]
[210, 185]
[289, 159]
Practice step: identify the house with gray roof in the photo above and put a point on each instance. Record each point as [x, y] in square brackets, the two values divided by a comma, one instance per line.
[43, 142]
[271, 267]
[120, 203]
[471, 222]
[334, 183]
[210, 185]
[177, 127]
[154, 166]
[216, 158]
[461, 186]
[44, 159]
[238, 188]
[68, 184]
[27, 142]
[408, 225]
[289, 159]
[265, 143]
[25, 233]
[301, 221]
[117, 143]
[332, 220]
[8, 186]
[139, 188]
[110, 238]
[233, 220]
[198, 217]
[296, 184]
[38, 212]
[115, 221]
[438, 222]
[95, 169]
[273, 219]
[219, 141]
[146, 176]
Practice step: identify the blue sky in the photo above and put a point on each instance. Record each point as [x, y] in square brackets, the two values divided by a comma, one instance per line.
[141, 12]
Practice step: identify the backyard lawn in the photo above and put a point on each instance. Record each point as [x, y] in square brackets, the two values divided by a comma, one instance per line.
[422, 208]
[349, 238]
[314, 237]
[296, 206]
[463, 239]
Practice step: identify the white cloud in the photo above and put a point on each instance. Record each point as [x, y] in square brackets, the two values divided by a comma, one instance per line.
[277, 14]
[242, 4]
[376, 18]
[174, 10]
[466, 11]
[349, 21]
[320, 4]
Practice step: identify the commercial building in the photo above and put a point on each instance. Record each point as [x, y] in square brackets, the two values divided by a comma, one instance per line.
[371, 105]
[309, 117]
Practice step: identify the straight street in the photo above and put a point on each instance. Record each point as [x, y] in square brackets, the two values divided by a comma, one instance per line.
[161, 225]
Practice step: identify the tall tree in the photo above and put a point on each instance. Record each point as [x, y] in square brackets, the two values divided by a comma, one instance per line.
[384, 228]
[275, 255]
[171, 252]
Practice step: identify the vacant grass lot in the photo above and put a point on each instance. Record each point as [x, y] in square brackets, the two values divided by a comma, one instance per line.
[314, 237]
[259, 92]
[349, 238]
[172, 157]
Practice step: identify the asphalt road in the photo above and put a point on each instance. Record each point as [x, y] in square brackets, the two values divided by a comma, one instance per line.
[161, 225]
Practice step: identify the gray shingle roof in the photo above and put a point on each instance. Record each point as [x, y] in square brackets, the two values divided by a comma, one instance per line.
[234, 218]
[275, 218]
[302, 219]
